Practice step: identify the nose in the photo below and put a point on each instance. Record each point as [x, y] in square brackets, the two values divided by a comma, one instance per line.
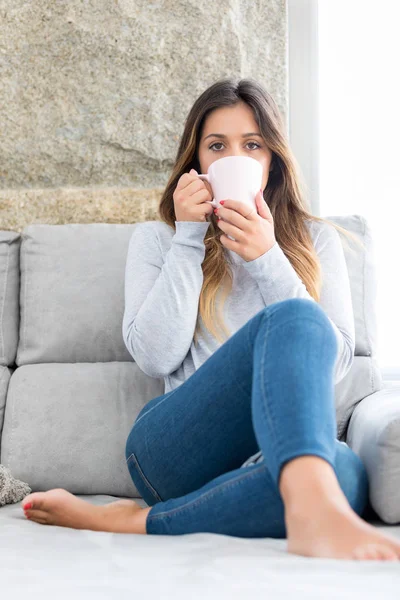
[239, 151]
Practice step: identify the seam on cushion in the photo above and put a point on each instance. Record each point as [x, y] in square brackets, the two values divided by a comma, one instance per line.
[371, 375]
[1, 381]
[3, 303]
[12, 427]
[25, 306]
[394, 423]
[4, 409]
[391, 458]
[363, 284]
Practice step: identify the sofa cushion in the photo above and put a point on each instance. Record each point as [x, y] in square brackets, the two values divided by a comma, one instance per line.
[374, 434]
[66, 425]
[72, 293]
[363, 379]
[361, 267]
[9, 295]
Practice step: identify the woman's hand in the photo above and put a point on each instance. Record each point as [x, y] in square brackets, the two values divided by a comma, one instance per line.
[254, 233]
[190, 198]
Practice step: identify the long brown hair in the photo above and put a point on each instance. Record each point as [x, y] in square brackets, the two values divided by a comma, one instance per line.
[284, 195]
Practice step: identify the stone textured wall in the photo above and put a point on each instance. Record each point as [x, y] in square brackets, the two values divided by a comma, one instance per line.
[94, 93]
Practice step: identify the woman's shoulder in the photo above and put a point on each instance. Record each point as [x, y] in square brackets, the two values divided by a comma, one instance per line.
[159, 226]
[154, 229]
[151, 237]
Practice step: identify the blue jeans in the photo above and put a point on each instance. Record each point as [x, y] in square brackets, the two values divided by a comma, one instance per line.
[269, 387]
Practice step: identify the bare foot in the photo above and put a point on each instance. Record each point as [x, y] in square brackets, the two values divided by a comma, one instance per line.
[59, 507]
[334, 530]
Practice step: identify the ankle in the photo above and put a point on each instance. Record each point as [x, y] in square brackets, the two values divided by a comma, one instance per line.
[142, 519]
[308, 482]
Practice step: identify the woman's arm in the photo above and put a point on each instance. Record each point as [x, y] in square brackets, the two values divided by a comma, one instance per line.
[162, 295]
[278, 281]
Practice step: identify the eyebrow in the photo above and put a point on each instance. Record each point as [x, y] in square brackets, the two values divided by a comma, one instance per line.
[221, 135]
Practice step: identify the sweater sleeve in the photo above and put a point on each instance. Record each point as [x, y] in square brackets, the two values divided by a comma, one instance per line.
[277, 281]
[162, 295]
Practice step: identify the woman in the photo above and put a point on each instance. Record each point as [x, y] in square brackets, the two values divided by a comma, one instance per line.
[243, 441]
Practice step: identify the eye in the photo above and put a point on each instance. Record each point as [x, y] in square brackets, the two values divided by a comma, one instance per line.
[215, 144]
[255, 144]
[220, 144]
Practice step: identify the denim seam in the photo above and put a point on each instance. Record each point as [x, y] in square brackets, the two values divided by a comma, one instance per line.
[263, 407]
[231, 483]
[266, 413]
[144, 478]
[169, 394]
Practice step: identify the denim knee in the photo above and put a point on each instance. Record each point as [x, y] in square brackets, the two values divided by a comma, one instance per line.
[303, 307]
[352, 477]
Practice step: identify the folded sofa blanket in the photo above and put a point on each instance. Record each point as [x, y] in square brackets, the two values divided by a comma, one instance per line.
[11, 490]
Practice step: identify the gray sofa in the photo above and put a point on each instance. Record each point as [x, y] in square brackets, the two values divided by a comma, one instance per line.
[70, 392]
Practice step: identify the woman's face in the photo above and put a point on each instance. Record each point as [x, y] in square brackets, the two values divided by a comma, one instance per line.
[226, 133]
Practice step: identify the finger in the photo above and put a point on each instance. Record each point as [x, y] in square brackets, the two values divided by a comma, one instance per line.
[186, 179]
[240, 208]
[195, 186]
[228, 243]
[201, 196]
[239, 219]
[263, 205]
[231, 230]
[198, 184]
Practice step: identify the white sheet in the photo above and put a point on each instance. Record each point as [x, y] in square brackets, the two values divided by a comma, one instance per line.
[44, 561]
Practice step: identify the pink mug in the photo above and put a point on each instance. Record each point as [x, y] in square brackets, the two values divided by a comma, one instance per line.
[234, 177]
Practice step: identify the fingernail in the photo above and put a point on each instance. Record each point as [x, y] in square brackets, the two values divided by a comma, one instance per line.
[28, 506]
[222, 202]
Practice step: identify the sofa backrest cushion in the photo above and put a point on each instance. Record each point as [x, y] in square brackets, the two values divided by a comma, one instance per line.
[361, 267]
[72, 293]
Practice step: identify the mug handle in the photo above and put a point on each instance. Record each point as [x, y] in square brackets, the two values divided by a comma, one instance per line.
[206, 177]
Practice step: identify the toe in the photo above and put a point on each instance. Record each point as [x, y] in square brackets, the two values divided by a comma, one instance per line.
[365, 552]
[386, 553]
[38, 520]
[38, 515]
[374, 552]
[34, 500]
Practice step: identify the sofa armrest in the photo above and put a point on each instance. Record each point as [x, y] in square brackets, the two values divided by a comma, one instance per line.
[374, 435]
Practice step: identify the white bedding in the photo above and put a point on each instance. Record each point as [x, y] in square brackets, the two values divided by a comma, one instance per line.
[43, 561]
